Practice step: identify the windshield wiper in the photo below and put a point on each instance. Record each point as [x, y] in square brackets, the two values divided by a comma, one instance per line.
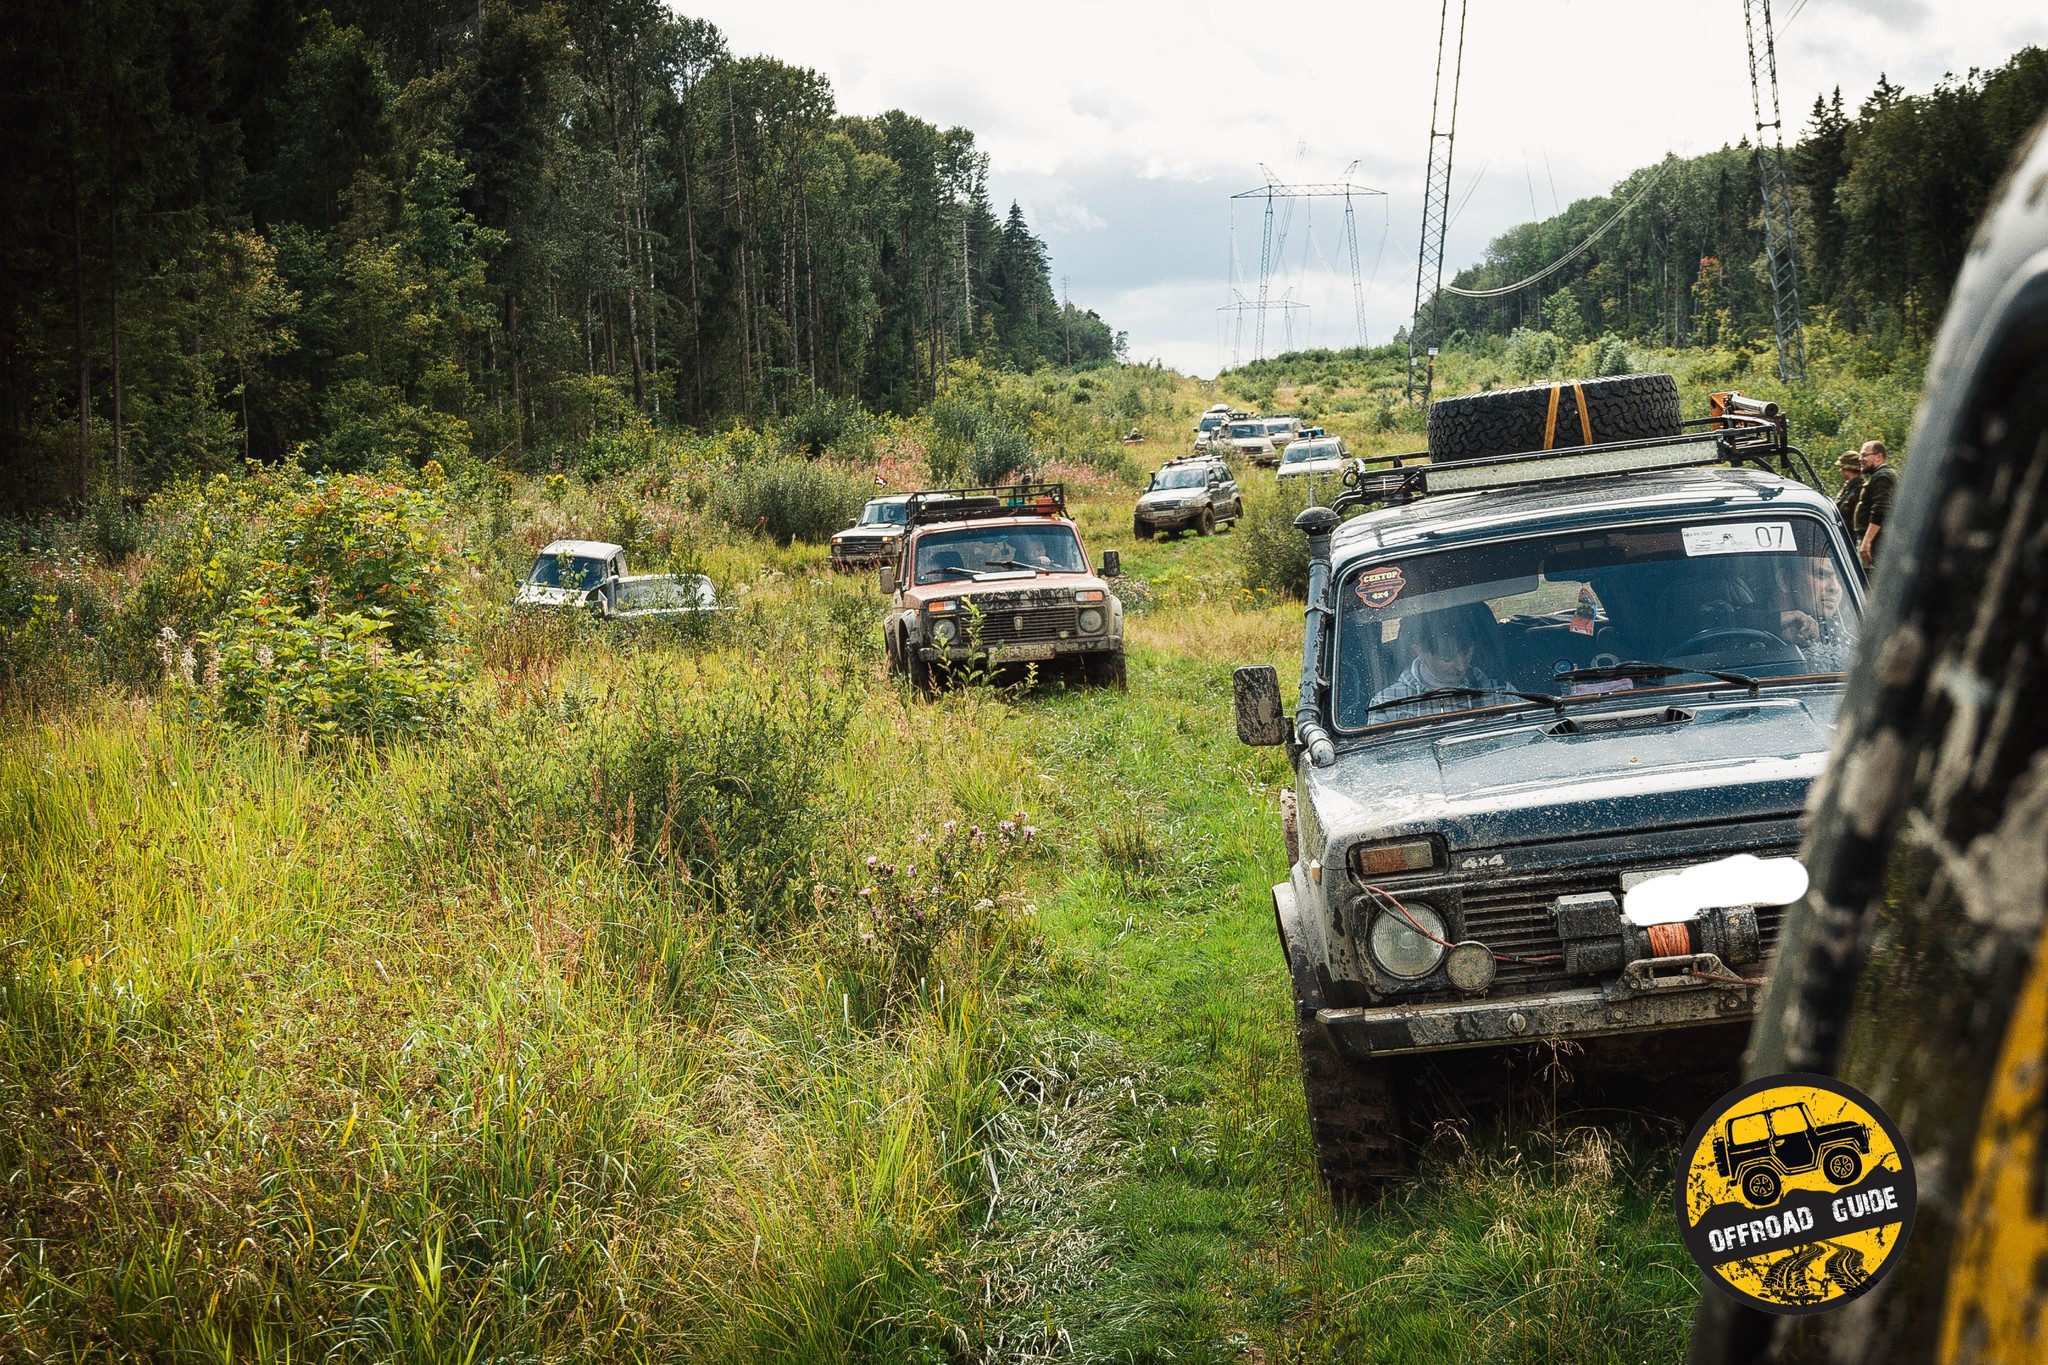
[1636, 669]
[956, 570]
[1434, 693]
[1011, 564]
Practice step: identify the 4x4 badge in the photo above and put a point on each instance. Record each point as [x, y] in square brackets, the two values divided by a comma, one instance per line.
[1378, 588]
[1795, 1194]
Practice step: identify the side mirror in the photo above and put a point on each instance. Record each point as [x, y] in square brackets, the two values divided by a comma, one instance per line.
[1256, 690]
[1112, 564]
[886, 577]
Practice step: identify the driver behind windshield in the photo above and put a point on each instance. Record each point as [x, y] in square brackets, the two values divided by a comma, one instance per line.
[1810, 611]
[1447, 651]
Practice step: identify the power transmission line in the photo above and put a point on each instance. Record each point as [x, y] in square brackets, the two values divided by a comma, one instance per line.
[1570, 256]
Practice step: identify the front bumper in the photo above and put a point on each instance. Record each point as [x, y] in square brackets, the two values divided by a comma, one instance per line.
[1030, 651]
[1669, 1000]
[1168, 518]
[862, 556]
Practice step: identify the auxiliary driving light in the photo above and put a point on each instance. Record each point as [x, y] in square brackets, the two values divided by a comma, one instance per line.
[1381, 860]
[1401, 948]
[1470, 967]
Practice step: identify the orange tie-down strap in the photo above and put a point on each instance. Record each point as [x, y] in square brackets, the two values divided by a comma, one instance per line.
[1585, 418]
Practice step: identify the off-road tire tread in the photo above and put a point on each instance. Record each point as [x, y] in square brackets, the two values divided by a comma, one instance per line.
[1626, 407]
[1354, 1116]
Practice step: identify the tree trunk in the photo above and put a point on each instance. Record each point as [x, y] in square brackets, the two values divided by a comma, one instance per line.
[78, 325]
[512, 360]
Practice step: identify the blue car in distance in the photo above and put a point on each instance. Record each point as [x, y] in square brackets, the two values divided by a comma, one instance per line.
[1531, 681]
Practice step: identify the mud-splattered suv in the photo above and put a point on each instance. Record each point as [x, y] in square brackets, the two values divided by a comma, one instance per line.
[1529, 683]
[995, 577]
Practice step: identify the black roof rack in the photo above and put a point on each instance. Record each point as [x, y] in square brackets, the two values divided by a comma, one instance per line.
[1741, 432]
[991, 500]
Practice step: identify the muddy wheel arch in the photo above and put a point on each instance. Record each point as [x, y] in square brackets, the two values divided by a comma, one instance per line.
[1917, 967]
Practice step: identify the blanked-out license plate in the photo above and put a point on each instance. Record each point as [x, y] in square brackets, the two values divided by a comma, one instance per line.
[1017, 654]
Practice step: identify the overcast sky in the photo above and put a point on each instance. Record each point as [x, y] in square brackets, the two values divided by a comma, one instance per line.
[1124, 126]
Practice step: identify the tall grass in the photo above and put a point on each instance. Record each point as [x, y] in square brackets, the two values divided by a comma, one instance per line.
[556, 1035]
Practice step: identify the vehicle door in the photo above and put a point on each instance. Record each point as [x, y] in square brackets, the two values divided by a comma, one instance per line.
[1220, 491]
[1792, 1138]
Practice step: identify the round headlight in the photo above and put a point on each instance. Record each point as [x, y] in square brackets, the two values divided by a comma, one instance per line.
[1091, 620]
[943, 632]
[1400, 949]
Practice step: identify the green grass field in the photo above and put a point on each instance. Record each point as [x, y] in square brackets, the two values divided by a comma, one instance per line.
[441, 1050]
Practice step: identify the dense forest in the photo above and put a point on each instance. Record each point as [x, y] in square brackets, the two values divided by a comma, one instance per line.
[379, 231]
[1885, 200]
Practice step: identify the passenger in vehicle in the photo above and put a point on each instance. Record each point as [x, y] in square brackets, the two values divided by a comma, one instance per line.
[1450, 647]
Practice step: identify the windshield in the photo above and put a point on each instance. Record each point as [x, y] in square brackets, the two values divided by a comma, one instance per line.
[566, 571]
[1279, 426]
[1311, 450]
[958, 556]
[1182, 476]
[1245, 431]
[1209, 423]
[882, 512]
[1563, 614]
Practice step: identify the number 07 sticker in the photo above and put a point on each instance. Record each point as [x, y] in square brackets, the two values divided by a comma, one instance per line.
[1739, 538]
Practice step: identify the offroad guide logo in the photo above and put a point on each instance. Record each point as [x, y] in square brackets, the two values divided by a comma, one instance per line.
[1795, 1194]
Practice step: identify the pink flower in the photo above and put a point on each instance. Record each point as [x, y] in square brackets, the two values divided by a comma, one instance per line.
[872, 860]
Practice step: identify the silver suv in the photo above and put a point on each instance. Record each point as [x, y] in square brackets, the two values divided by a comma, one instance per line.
[1197, 492]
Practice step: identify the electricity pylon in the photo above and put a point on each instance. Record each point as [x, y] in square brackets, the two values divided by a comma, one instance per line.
[1436, 188]
[1777, 193]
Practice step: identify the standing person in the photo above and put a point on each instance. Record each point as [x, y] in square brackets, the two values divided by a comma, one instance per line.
[1874, 506]
[1851, 465]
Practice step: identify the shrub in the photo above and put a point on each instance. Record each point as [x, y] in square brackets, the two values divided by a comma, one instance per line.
[112, 529]
[1533, 355]
[891, 939]
[1610, 356]
[1271, 554]
[828, 423]
[361, 545]
[331, 673]
[1000, 449]
[791, 500]
[718, 778]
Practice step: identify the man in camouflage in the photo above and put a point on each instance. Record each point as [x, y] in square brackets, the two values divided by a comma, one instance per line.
[1874, 504]
[1851, 465]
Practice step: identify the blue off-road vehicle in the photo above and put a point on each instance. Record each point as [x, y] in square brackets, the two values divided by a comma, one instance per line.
[1531, 679]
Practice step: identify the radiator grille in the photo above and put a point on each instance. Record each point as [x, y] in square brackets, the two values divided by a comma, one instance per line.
[1513, 919]
[1001, 625]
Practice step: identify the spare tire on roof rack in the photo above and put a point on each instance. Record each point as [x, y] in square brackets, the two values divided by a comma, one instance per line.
[1626, 407]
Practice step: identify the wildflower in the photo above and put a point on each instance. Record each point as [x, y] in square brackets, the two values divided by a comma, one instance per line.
[1031, 831]
[1007, 828]
[865, 892]
[951, 825]
[872, 861]
[910, 871]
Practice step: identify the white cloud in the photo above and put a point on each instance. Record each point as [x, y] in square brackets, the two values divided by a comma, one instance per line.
[1124, 128]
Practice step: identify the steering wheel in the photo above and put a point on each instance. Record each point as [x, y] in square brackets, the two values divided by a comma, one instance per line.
[1745, 640]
